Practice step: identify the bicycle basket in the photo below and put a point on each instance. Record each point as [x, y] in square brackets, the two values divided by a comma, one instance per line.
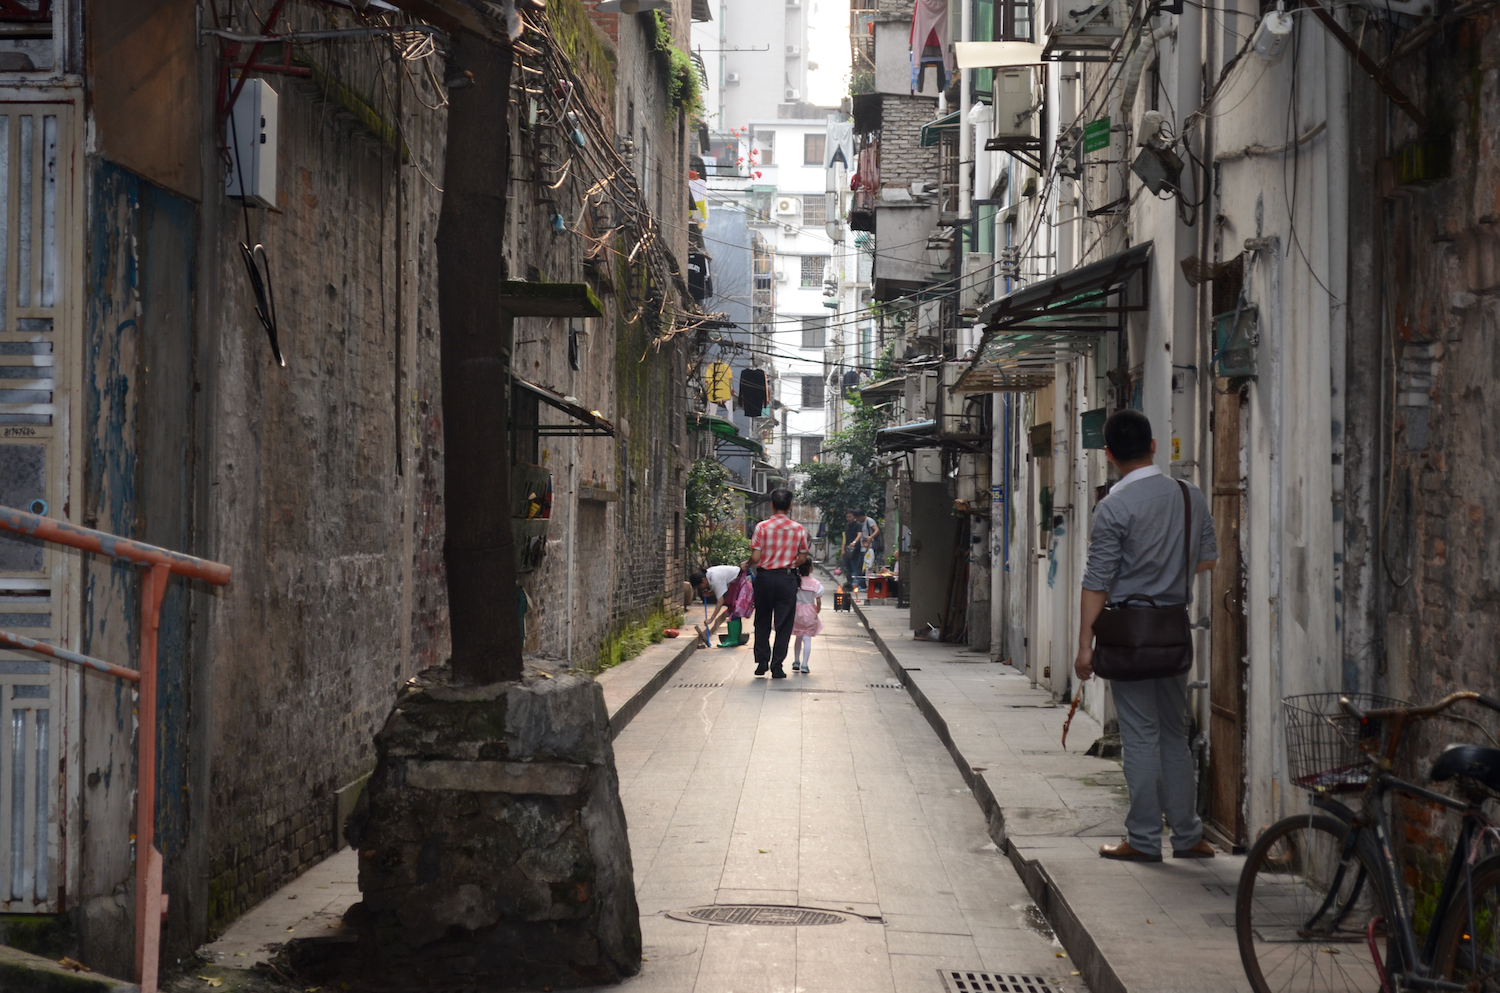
[1322, 741]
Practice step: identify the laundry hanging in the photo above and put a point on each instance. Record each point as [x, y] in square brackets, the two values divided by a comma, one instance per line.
[753, 392]
[719, 379]
[929, 29]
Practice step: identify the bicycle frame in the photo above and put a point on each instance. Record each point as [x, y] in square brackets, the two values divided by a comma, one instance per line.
[1411, 971]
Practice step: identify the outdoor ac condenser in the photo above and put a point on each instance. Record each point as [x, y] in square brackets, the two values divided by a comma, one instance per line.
[251, 133]
[1080, 24]
[978, 282]
[1014, 103]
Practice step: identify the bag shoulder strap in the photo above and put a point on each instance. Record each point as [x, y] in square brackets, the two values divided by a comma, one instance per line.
[1187, 540]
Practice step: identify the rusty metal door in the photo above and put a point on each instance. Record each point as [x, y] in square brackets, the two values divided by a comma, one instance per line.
[1226, 728]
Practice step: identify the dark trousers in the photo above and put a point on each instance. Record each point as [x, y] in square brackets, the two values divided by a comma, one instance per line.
[854, 565]
[775, 607]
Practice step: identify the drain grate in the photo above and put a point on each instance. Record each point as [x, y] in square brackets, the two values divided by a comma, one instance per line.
[965, 981]
[749, 913]
[885, 686]
[694, 686]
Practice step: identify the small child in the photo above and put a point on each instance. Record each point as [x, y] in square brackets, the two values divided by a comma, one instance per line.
[806, 624]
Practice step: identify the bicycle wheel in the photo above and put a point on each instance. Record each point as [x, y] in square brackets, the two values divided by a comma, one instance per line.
[1304, 909]
[1474, 961]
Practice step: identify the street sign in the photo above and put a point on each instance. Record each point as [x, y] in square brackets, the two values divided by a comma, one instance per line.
[1096, 135]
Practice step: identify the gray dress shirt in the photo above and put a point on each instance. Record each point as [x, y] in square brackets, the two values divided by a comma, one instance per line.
[1136, 546]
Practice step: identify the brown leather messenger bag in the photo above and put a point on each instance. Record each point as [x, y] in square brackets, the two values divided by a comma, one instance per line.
[1136, 639]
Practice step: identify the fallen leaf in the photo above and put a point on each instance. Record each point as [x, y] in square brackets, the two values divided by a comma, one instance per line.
[312, 989]
[73, 964]
[292, 897]
[1077, 973]
[242, 954]
[334, 923]
[1061, 955]
[291, 929]
[212, 980]
[762, 851]
[1150, 921]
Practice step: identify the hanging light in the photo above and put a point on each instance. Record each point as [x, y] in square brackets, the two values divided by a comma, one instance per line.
[630, 6]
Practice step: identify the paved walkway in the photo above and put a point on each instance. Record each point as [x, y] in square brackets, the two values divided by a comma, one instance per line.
[824, 791]
[1141, 928]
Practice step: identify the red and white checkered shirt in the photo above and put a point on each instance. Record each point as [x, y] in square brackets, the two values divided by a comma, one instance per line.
[779, 540]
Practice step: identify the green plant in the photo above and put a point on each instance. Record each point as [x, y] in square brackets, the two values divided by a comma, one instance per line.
[684, 89]
[713, 535]
[845, 475]
[628, 640]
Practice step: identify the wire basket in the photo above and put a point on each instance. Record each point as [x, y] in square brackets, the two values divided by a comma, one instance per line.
[1323, 753]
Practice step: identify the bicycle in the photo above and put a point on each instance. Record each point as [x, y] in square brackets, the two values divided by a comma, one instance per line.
[1321, 905]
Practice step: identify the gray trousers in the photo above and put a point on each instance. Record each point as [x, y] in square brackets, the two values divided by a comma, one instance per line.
[1158, 763]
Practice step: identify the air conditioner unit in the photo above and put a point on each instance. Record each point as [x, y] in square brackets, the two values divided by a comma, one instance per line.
[793, 3]
[793, 50]
[788, 205]
[732, 78]
[780, 277]
[978, 282]
[789, 229]
[1074, 25]
[1015, 103]
[792, 96]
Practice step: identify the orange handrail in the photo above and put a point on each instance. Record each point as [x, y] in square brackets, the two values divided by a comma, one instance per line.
[150, 901]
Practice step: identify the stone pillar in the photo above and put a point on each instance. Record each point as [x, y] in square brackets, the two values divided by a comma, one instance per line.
[492, 845]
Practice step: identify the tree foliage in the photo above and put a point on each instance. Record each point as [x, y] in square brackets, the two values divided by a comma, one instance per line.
[845, 476]
[712, 509]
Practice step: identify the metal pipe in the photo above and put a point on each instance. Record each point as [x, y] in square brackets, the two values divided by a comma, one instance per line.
[150, 902]
[63, 533]
[21, 644]
[965, 138]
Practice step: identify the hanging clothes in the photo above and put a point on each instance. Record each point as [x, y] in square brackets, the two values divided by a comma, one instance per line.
[753, 392]
[719, 379]
[929, 30]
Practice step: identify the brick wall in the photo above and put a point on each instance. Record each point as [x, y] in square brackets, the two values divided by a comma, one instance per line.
[903, 160]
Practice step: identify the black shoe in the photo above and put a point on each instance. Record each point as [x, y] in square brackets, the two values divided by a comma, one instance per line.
[778, 673]
[762, 669]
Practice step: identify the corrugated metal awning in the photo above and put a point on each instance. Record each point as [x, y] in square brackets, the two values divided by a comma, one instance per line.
[1029, 331]
[933, 131]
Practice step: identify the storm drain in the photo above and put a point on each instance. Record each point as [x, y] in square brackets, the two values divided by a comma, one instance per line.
[694, 686]
[885, 686]
[749, 913]
[964, 981]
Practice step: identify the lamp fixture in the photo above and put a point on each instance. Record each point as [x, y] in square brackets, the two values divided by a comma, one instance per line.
[630, 6]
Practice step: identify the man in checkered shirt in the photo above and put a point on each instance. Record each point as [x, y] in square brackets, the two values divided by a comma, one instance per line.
[778, 547]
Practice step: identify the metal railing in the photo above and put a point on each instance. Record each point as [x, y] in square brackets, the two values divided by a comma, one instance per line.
[160, 564]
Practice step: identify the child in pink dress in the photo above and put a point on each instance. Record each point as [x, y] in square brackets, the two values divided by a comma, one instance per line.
[806, 623]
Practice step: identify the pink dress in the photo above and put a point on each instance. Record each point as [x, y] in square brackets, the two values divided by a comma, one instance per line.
[807, 622]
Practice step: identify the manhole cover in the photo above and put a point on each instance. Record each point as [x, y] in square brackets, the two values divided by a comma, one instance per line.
[759, 914]
[966, 981]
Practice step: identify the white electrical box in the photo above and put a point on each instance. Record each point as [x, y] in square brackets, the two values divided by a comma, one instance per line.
[1015, 106]
[978, 282]
[927, 467]
[250, 134]
[1074, 26]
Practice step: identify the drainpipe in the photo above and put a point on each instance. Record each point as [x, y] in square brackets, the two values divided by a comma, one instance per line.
[965, 139]
[999, 522]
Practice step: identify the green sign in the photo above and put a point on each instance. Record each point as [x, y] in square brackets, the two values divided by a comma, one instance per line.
[1096, 135]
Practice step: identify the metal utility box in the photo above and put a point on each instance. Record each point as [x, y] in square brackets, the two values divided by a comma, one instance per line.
[250, 133]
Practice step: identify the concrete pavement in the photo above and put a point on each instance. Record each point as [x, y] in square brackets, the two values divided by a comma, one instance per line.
[1142, 928]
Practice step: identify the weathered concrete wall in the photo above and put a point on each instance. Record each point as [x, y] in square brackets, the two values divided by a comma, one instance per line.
[627, 490]
[319, 484]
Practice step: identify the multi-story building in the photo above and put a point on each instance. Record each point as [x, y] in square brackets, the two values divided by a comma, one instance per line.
[1281, 260]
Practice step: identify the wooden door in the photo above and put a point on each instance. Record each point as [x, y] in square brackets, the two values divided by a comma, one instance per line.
[1226, 681]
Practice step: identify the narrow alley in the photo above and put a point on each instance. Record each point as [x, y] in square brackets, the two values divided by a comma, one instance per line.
[827, 791]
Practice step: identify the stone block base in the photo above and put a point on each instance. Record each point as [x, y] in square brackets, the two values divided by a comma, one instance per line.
[492, 844]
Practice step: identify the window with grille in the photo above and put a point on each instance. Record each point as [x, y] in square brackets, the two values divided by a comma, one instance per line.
[814, 332]
[811, 449]
[813, 147]
[812, 392]
[814, 211]
[812, 270]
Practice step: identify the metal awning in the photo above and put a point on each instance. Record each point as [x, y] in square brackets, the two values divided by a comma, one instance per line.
[933, 131]
[883, 389]
[1029, 331]
[588, 422]
[724, 432]
[907, 437]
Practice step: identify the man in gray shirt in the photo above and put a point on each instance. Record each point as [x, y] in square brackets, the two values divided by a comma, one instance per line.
[1136, 550]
